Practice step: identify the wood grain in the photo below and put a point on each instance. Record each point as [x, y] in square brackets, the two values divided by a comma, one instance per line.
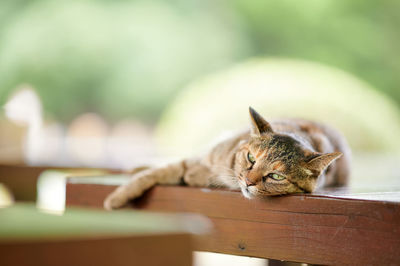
[304, 228]
[152, 250]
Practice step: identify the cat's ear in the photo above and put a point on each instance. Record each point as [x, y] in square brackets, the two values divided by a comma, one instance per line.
[259, 125]
[320, 162]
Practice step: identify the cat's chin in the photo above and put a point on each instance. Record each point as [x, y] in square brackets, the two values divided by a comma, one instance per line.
[249, 195]
[246, 193]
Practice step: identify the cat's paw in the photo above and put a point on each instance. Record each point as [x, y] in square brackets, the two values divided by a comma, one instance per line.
[115, 200]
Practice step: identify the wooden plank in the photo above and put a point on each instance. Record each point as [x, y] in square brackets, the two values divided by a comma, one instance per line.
[304, 228]
[22, 179]
[88, 237]
[152, 250]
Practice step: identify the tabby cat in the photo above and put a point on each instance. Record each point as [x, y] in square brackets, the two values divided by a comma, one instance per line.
[281, 157]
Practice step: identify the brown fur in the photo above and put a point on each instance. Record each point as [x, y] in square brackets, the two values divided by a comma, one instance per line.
[305, 154]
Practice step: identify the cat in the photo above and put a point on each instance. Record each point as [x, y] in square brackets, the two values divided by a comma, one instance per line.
[281, 157]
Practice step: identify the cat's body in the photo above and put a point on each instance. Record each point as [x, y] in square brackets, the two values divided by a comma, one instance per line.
[285, 156]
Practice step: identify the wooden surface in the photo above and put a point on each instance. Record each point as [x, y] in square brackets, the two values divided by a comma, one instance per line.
[88, 237]
[315, 229]
[151, 250]
[22, 179]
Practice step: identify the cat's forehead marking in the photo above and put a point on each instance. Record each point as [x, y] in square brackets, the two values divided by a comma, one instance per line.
[262, 150]
[283, 146]
[281, 141]
[278, 147]
[278, 166]
[259, 147]
[260, 153]
[264, 144]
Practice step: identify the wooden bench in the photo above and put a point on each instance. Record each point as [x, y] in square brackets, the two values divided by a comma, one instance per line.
[329, 227]
[89, 237]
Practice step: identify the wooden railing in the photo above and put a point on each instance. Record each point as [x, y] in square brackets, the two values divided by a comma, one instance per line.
[329, 227]
[326, 228]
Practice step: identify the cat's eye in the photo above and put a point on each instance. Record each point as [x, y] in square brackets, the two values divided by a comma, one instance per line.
[276, 177]
[251, 158]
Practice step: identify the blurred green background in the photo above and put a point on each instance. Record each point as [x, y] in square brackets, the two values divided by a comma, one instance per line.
[128, 83]
[131, 58]
[123, 82]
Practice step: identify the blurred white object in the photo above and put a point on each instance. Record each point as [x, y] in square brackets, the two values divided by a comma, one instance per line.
[24, 107]
[41, 143]
[130, 144]
[86, 140]
[51, 186]
[6, 197]
[51, 191]
[215, 259]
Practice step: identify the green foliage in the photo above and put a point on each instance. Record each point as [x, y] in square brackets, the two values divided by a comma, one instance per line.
[361, 37]
[121, 58]
[130, 58]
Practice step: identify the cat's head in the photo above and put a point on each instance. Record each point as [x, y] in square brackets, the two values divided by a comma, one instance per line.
[272, 163]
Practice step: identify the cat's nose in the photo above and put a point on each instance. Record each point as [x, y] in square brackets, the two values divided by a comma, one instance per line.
[249, 183]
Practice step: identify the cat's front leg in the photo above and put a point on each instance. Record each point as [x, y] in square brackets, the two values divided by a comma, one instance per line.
[138, 184]
[142, 181]
[191, 172]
